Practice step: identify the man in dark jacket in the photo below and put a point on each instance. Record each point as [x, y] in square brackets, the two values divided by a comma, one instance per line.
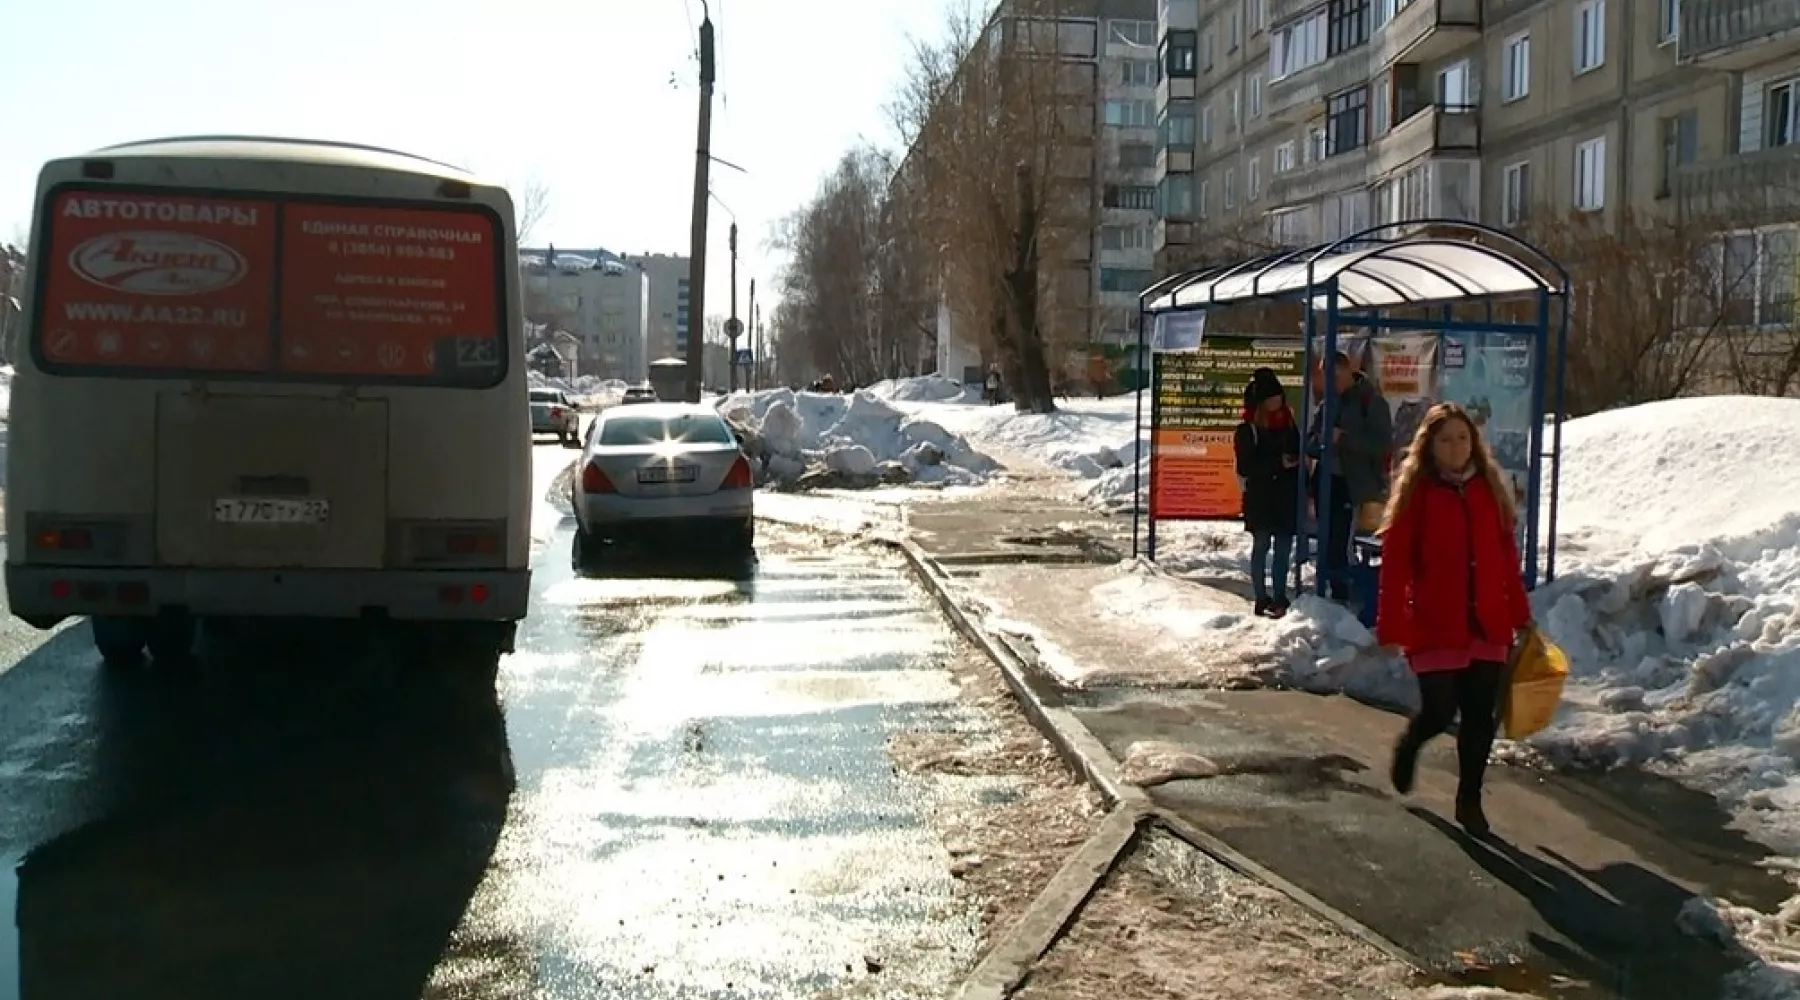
[1361, 444]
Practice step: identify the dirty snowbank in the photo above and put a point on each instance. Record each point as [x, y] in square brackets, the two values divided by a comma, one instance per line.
[591, 389]
[924, 389]
[1085, 437]
[807, 439]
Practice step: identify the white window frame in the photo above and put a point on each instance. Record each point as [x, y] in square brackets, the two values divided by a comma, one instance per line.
[1590, 175]
[1206, 124]
[1253, 180]
[1515, 68]
[1202, 198]
[1285, 155]
[1230, 187]
[1255, 89]
[1515, 193]
[1792, 130]
[1259, 16]
[1668, 21]
[1590, 36]
[1235, 30]
[1236, 99]
[1456, 85]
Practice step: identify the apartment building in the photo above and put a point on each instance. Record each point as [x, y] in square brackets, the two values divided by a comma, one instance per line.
[601, 298]
[1287, 122]
[1107, 79]
[668, 274]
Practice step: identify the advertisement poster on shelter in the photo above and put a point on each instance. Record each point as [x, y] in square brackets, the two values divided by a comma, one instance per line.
[1404, 367]
[1490, 375]
[1198, 405]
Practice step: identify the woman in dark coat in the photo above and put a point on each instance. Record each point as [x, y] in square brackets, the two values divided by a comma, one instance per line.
[1268, 465]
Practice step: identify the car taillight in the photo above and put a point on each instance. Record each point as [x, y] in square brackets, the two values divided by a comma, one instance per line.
[593, 480]
[739, 478]
[555, 412]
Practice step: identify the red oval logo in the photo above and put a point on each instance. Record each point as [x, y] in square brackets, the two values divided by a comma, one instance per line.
[158, 263]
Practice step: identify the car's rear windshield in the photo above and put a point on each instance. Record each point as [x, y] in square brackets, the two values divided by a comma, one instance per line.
[169, 282]
[545, 396]
[689, 428]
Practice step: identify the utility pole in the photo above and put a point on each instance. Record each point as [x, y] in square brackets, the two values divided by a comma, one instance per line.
[696, 346]
[765, 372]
[750, 381]
[734, 327]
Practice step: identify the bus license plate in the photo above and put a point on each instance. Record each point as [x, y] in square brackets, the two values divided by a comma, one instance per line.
[666, 474]
[256, 510]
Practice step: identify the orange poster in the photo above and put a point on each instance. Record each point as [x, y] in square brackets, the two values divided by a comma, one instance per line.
[389, 291]
[1193, 475]
[157, 280]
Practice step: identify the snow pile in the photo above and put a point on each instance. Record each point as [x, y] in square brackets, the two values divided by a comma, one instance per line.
[805, 440]
[924, 389]
[597, 390]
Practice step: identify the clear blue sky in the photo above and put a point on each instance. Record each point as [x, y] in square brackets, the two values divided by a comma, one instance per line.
[576, 94]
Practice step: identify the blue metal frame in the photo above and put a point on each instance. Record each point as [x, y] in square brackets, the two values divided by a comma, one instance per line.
[1326, 310]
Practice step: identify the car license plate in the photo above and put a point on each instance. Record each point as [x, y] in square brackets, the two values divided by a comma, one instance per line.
[259, 510]
[657, 474]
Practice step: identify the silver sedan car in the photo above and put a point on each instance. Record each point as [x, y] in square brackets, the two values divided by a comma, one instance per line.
[663, 472]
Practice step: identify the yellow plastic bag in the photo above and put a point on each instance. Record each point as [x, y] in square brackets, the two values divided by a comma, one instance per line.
[1539, 668]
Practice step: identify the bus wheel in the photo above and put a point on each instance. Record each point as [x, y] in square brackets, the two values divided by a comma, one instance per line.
[171, 637]
[120, 639]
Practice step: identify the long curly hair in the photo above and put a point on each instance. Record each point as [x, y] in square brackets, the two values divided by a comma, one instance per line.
[1419, 463]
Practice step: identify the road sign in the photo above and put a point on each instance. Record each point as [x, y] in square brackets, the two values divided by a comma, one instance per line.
[734, 328]
[743, 357]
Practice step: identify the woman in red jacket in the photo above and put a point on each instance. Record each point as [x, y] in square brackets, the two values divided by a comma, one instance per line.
[1452, 598]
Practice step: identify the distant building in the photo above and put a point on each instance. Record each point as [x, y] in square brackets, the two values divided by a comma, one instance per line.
[597, 296]
[668, 275]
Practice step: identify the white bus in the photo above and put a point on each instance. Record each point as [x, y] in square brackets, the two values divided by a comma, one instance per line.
[268, 378]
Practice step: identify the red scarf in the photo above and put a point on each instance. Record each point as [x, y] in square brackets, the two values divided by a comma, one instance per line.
[1279, 420]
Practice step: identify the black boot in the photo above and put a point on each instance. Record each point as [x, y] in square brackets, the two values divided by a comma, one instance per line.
[1262, 607]
[1469, 815]
[1405, 765]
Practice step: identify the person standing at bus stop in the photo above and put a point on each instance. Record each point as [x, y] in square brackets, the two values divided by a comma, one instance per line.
[1453, 599]
[1267, 446]
[1361, 442]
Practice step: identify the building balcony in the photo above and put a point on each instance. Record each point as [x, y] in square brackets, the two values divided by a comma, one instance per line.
[1172, 233]
[1174, 160]
[1737, 34]
[1286, 10]
[1452, 129]
[1316, 180]
[1297, 96]
[1744, 190]
[1427, 30]
[1174, 88]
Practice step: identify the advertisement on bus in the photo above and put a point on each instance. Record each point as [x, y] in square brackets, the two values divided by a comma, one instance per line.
[168, 283]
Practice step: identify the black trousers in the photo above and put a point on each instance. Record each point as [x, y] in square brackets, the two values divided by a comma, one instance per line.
[1474, 694]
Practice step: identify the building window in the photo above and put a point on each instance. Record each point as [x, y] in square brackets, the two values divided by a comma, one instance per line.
[1315, 145]
[1515, 194]
[1124, 237]
[1590, 35]
[1780, 124]
[1259, 15]
[1231, 187]
[1206, 125]
[1748, 280]
[1668, 21]
[1122, 279]
[1202, 197]
[1349, 25]
[1680, 147]
[1137, 72]
[1131, 114]
[1175, 197]
[1236, 100]
[1133, 32]
[1590, 175]
[1515, 67]
[1284, 157]
[1289, 229]
[1253, 179]
[1136, 156]
[1298, 46]
[1255, 89]
[1234, 30]
[1346, 121]
[1206, 51]
[1129, 196]
[1178, 55]
[1177, 126]
[1381, 110]
[1455, 90]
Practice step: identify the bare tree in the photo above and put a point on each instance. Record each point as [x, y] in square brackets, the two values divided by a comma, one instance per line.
[530, 204]
[1001, 133]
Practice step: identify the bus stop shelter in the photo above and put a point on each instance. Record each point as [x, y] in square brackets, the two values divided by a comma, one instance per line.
[1489, 310]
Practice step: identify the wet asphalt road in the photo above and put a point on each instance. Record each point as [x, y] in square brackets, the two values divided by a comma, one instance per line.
[681, 790]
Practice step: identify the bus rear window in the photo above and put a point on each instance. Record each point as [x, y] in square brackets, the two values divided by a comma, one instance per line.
[168, 283]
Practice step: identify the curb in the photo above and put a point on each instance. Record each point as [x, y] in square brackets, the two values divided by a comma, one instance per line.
[1025, 941]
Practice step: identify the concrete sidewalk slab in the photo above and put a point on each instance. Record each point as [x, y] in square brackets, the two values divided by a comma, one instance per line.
[1572, 900]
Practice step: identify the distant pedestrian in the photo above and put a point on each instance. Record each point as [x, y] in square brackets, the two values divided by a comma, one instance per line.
[1361, 443]
[992, 388]
[1452, 598]
[1267, 444]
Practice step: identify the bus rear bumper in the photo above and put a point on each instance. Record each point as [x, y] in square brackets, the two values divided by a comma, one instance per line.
[44, 595]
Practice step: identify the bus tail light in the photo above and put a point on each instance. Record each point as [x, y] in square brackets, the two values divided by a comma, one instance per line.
[472, 543]
[740, 477]
[456, 593]
[595, 481]
[74, 539]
